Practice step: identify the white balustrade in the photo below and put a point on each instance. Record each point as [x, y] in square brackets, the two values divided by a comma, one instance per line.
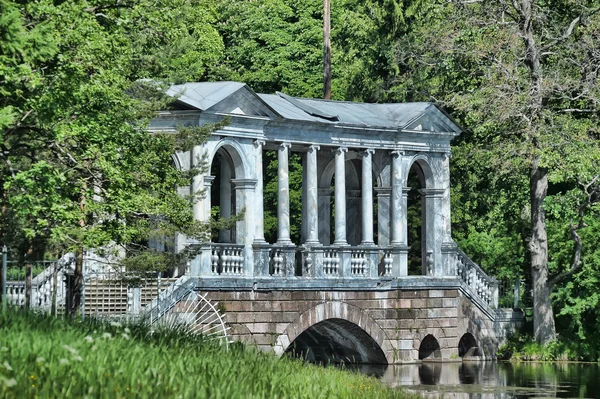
[358, 263]
[483, 286]
[387, 261]
[276, 262]
[331, 262]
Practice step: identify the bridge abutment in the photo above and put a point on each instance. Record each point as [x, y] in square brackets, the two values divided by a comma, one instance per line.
[398, 320]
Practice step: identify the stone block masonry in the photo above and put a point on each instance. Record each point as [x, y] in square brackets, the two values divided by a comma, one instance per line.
[397, 319]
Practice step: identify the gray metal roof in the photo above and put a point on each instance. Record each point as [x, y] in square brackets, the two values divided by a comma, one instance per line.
[409, 116]
[203, 95]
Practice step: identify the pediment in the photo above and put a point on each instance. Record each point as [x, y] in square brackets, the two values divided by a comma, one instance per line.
[433, 120]
[221, 97]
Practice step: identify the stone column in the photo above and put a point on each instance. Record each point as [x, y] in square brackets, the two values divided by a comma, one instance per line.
[367, 198]
[197, 183]
[208, 181]
[325, 216]
[283, 198]
[340, 197]
[259, 218]
[433, 230]
[396, 200]
[244, 189]
[312, 197]
[225, 199]
[383, 216]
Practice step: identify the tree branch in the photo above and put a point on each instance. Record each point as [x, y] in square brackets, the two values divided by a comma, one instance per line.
[590, 191]
[565, 35]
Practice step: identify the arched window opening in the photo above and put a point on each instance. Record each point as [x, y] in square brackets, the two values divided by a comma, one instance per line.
[223, 202]
[415, 226]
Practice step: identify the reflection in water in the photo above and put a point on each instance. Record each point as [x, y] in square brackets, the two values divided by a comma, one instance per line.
[481, 380]
[429, 373]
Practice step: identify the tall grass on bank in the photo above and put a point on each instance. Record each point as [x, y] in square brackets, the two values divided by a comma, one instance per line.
[44, 357]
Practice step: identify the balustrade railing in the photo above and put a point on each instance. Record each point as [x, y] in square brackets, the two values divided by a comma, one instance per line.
[227, 259]
[358, 263]
[331, 262]
[48, 288]
[386, 262]
[482, 285]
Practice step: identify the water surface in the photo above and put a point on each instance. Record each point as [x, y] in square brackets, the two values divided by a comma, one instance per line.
[494, 379]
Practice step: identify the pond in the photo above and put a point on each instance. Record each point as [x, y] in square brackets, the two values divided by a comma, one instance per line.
[493, 379]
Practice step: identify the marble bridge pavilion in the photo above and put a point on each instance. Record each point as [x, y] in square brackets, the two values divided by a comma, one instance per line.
[344, 292]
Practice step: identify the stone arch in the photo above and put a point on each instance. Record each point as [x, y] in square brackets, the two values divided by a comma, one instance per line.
[352, 178]
[467, 346]
[177, 162]
[422, 165]
[237, 155]
[335, 310]
[429, 348]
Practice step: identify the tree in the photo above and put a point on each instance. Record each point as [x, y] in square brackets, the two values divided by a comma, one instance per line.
[79, 170]
[523, 75]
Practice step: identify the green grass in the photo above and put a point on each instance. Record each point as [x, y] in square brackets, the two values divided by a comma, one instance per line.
[44, 357]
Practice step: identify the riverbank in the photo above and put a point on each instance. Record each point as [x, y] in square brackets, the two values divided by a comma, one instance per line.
[44, 357]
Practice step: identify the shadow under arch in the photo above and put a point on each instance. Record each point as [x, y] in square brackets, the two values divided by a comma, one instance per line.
[339, 317]
[429, 348]
[335, 341]
[467, 346]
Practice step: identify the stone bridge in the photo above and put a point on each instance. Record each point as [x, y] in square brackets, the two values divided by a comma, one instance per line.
[352, 288]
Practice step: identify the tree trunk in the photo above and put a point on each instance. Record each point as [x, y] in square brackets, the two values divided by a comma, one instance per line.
[543, 316]
[76, 289]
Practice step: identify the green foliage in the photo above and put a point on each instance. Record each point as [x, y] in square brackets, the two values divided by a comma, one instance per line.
[522, 347]
[78, 167]
[47, 357]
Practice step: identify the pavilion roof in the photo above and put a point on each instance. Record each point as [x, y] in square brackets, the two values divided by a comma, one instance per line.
[238, 98]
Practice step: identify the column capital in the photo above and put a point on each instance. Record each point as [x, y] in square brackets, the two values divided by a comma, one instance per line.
[285, 145]
[259, 143]
[366, 152]
[208, 180]
[340, 150]
[397, 153]
[314, 147]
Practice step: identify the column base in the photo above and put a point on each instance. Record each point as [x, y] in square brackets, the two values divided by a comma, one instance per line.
[341, 243]
[367, 243]
[285, 243]
[315, 243]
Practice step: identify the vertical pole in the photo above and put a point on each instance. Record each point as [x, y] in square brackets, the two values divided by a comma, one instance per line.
[54, 288]
[4, 266]
[327, 50]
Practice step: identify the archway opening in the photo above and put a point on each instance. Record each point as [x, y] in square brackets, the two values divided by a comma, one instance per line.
[429, 349]
[222, 196]
[415, 222]
[336, 341]
[467, 346]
